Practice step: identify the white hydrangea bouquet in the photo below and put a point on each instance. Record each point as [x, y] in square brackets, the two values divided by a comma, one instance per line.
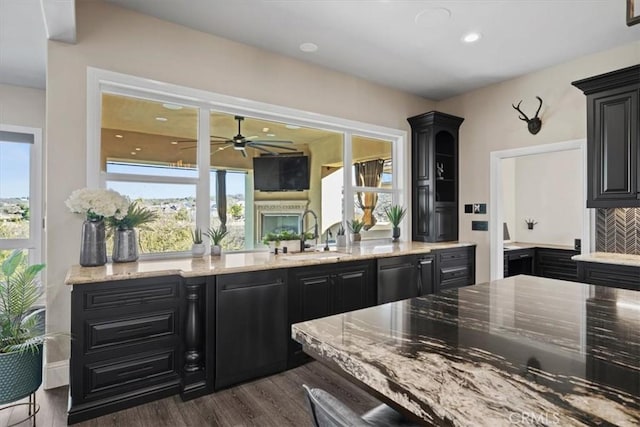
[98, 203]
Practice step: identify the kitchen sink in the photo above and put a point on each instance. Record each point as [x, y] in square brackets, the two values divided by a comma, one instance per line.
[306, 256]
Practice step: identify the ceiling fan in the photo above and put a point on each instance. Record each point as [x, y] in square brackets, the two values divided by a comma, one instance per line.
[241, 143]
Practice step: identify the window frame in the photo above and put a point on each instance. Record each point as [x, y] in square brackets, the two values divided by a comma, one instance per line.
[101, 81]
[35, 243]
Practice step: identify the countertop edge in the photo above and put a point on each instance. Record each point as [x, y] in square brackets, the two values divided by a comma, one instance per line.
[77, 275]
[609, 258]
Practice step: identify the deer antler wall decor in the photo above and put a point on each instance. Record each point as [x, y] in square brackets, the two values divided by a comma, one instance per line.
[533, 124]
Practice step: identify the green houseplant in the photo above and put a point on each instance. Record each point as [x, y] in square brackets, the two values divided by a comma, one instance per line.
[395, 214]
[355, 226]
[21, 329]
[198, 248]
[216, 235]
[125, 242]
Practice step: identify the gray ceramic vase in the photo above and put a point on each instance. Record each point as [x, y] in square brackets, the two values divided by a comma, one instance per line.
[125, 246]
[93, 246]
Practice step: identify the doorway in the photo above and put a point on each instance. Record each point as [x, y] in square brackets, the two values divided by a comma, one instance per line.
[500, 160]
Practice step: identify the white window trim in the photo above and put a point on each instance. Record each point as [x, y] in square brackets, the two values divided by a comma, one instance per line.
[35, 242]
[103, 81]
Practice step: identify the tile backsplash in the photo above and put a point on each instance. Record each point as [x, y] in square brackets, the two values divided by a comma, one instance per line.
[618, 230]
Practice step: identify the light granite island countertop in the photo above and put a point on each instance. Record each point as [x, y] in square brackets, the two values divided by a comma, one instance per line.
[517, 351]
[237, 262]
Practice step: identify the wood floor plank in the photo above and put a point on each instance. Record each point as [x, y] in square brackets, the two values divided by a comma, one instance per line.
[277, 401]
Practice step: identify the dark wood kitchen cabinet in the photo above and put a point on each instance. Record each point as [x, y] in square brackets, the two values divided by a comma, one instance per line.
[251, 326]
[126, 347]
[556, 264]
[613, 138]
[455, 268]
[434, 176]
[321, 291]
[611, 275]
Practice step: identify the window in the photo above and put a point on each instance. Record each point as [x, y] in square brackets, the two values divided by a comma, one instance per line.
[193, 163]
[20, 192]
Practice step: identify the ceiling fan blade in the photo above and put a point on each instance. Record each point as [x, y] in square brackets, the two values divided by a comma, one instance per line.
[274, 153]
[244, 152]
[272, 141]
[220, 142]
[253, 144]
[217, 150]
[219, 137]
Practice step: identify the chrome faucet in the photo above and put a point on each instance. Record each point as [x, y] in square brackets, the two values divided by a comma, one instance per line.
[302, 230]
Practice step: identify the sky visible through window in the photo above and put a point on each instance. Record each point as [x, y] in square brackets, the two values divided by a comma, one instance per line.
[14, 170]
[235, 181]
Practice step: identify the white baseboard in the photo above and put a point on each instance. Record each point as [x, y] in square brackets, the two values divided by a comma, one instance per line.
[56, 374]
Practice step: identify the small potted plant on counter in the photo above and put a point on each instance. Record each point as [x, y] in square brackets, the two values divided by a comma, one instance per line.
[355, 226]
[198, 248]
[395, 214]
[125, 242]
[216, 235]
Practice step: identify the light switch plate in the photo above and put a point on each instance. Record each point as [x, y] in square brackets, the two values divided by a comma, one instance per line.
[468, 208]
[480, 225]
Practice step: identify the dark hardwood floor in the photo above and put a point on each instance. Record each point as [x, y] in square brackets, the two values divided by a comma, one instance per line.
[276, 401]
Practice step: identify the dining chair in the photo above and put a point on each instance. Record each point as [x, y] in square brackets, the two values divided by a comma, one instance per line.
[327, 411]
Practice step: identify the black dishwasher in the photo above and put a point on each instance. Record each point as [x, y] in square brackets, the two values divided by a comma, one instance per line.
[519, 261]
[397, 279]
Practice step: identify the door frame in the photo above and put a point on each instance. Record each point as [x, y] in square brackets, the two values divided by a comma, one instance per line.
[496, 198]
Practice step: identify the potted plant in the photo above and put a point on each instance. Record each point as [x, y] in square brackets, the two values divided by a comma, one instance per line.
[395, 214]
[216, 235]
[198, 248]
[290, 240]
[21, 329]
[341, 239]
[125, 243]
[355, 226]
[272, 240]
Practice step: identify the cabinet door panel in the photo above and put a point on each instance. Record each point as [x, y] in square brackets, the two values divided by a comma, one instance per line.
[351, 289]
[422, 155]
[397, 279]
[422, 212]
[446, 223]
[613, 148]
[315, 297]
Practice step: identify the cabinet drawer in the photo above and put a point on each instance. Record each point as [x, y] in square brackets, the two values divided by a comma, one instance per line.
[119, 376]
[557, 272]
[557, 257]
[145, 291]
[618, 276]
[454, 255]
[127, 330]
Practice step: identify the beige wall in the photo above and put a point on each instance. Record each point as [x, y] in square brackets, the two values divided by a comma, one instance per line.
[120, 40]
[491, 124]
[22, 106]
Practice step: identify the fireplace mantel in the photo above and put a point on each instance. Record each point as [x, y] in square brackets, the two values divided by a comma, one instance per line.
[275, 208]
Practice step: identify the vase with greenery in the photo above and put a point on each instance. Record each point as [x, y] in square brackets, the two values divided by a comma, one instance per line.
[198, 248]
[125, 242]
[216, 235]
[272, 240]
[21, 328]
[355, 226]
[96, 204]
[395, 214]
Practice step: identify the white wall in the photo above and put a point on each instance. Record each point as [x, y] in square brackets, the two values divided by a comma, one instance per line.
[22, 106]
[509, 196]
[120, 40]
[491, 124]
[549, 189]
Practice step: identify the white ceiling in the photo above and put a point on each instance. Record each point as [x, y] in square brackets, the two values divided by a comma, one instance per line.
[411, 45]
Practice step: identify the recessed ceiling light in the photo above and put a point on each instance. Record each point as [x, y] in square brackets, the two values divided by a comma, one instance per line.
[432, 17]
[471, 37]
[292, 127]
[161, 119]
[133, 153]
[265, 129]
[172, 106]
[271, 134]
[174, 142]
[308, 47]
[119, 136]
[138, 148]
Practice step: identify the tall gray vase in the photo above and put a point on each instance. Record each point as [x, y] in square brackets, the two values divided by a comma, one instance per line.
[93, 246]
[125, 246]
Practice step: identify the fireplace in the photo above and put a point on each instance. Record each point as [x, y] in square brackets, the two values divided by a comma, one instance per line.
[274, 216]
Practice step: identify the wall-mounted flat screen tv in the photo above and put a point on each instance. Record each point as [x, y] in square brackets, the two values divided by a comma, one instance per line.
[281, 173]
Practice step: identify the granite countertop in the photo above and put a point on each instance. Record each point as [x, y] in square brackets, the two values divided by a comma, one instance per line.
[609, 258]
[495, 354]
[236, 262]
[520, 245]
